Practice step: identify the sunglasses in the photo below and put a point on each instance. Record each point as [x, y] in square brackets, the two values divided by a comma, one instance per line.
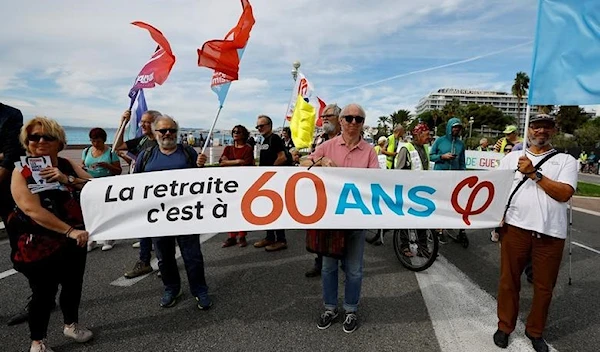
[38, 137]
[258, 127]
[358, 119]
[164, 131]
[236, 132]
[328, 116]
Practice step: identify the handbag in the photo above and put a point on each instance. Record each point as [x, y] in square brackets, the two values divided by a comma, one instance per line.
[326, 242]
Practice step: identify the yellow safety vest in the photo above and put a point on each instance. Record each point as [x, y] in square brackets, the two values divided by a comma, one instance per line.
[415, 158]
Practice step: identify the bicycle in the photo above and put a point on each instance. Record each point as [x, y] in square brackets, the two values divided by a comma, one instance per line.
[414, 253]
[590, 168]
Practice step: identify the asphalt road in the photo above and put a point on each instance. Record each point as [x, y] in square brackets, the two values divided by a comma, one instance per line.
[589, 178]
[263, 302]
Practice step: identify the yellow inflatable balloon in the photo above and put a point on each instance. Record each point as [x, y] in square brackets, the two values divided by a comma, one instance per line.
[302, 123]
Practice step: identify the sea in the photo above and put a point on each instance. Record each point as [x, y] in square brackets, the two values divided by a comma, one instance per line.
[80, 135]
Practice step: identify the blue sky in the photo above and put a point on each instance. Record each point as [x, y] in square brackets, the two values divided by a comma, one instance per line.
[75, 61]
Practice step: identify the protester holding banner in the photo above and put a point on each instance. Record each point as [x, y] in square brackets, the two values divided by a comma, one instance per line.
[271, 154]
[347, 150]
[535, 226]
[129, 150]
[47, 236]
[168, 155]
[100, 161]
[331, 128]
[238, 154]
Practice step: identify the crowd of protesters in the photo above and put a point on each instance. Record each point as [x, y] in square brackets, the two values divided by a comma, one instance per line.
[49, 241]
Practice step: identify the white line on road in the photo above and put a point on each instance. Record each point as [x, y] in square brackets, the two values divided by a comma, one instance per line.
[591, 212]
[463, 315]
[124, 282]
[7, 273]
[586, 247]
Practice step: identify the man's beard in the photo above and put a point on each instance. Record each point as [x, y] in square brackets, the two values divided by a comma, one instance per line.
[328, 128]
[167, 143]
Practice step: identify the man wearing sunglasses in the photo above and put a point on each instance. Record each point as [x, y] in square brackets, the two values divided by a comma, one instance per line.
[11, 121]
[271, 154]
[535, 226]
[129, 150]
[347, 150]
[169, 155]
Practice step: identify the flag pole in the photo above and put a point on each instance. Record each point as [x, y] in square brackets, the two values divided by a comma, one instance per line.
[121, 129]
[295, 71]
[526, 128]
[210, 132]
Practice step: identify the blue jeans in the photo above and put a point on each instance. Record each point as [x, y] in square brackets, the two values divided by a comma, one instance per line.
[145, 250]
[192, 259]
[352, 265]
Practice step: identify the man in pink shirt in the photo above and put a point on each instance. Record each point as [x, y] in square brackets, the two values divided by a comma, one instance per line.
[346, 150]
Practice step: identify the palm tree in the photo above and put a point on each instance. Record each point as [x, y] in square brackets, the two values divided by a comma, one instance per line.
[519, 89]
[399, 117]
[384, 120]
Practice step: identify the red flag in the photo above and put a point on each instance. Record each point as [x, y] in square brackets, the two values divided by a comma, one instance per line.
[223, 55]
[159, 66]
[322, 106]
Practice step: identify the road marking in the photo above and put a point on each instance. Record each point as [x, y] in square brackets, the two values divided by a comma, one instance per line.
[591, 212]
[124, 282]
[462, 314]
[586, 247]
[7, 273]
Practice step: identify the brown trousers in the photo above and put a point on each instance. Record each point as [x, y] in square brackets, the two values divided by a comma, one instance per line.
[517, 246]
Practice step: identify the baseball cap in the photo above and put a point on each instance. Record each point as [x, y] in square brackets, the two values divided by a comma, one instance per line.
[510, 129]
[457, 124]
[381, 139]
[542, 117]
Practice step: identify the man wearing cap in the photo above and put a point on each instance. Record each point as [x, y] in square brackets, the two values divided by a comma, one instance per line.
[535, 226]
[510, 138]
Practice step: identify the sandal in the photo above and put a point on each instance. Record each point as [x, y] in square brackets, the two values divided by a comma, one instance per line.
[229, 242]
[407, 253]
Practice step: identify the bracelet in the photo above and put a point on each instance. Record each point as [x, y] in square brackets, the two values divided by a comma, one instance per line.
[69, 231]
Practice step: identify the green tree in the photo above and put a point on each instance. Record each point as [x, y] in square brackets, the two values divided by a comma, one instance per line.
[571, 118]
[519, 89]
[400, 117]
[382, 126]
[588, 136]
[487, 115]
[453, 109]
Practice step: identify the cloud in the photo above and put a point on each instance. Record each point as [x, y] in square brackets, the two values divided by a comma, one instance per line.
[75, 61]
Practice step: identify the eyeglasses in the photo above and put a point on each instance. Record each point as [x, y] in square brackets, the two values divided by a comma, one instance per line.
[37, 137]
[358, 119]
[258, 127]
[328, 116]
[539, 128]
[164, 131]
[142, 122]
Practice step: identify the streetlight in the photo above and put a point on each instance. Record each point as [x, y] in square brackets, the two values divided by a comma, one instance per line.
[471, 120]
[296, 66]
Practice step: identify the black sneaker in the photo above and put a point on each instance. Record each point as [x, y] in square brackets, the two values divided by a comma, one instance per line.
[314, 272]
[538, 343]
[501, 339]
[350, 323]
[327, 318]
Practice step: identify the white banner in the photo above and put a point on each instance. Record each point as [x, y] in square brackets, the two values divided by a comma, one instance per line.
[476, 160]
[258, 198]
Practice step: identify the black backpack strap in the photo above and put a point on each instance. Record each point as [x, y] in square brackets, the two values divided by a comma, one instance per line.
[189, 151]
[147, 154]
[537, 167]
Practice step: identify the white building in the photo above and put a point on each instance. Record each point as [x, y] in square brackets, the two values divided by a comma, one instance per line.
[506, 102]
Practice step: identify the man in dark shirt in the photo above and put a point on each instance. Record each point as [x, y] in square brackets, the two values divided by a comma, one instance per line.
[129, 150]
[271, 154]
[11, 121]
[168, 155]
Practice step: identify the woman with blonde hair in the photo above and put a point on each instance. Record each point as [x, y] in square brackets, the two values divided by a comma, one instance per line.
[49, 240]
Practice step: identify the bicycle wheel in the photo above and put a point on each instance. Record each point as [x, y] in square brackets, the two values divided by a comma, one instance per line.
[415, 254]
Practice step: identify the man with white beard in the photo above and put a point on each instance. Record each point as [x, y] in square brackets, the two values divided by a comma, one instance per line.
[331, 129]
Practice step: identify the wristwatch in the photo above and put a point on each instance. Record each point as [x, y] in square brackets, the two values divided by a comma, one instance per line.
[71, 179]
[538, 177]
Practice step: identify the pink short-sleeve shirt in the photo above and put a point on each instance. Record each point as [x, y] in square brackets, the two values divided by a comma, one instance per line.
[361, 155]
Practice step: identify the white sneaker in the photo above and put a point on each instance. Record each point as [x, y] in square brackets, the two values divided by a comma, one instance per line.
[78, 333]
[108, 245]
[40, 347]
[91, 246]
[136, 245]
[495, 236]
